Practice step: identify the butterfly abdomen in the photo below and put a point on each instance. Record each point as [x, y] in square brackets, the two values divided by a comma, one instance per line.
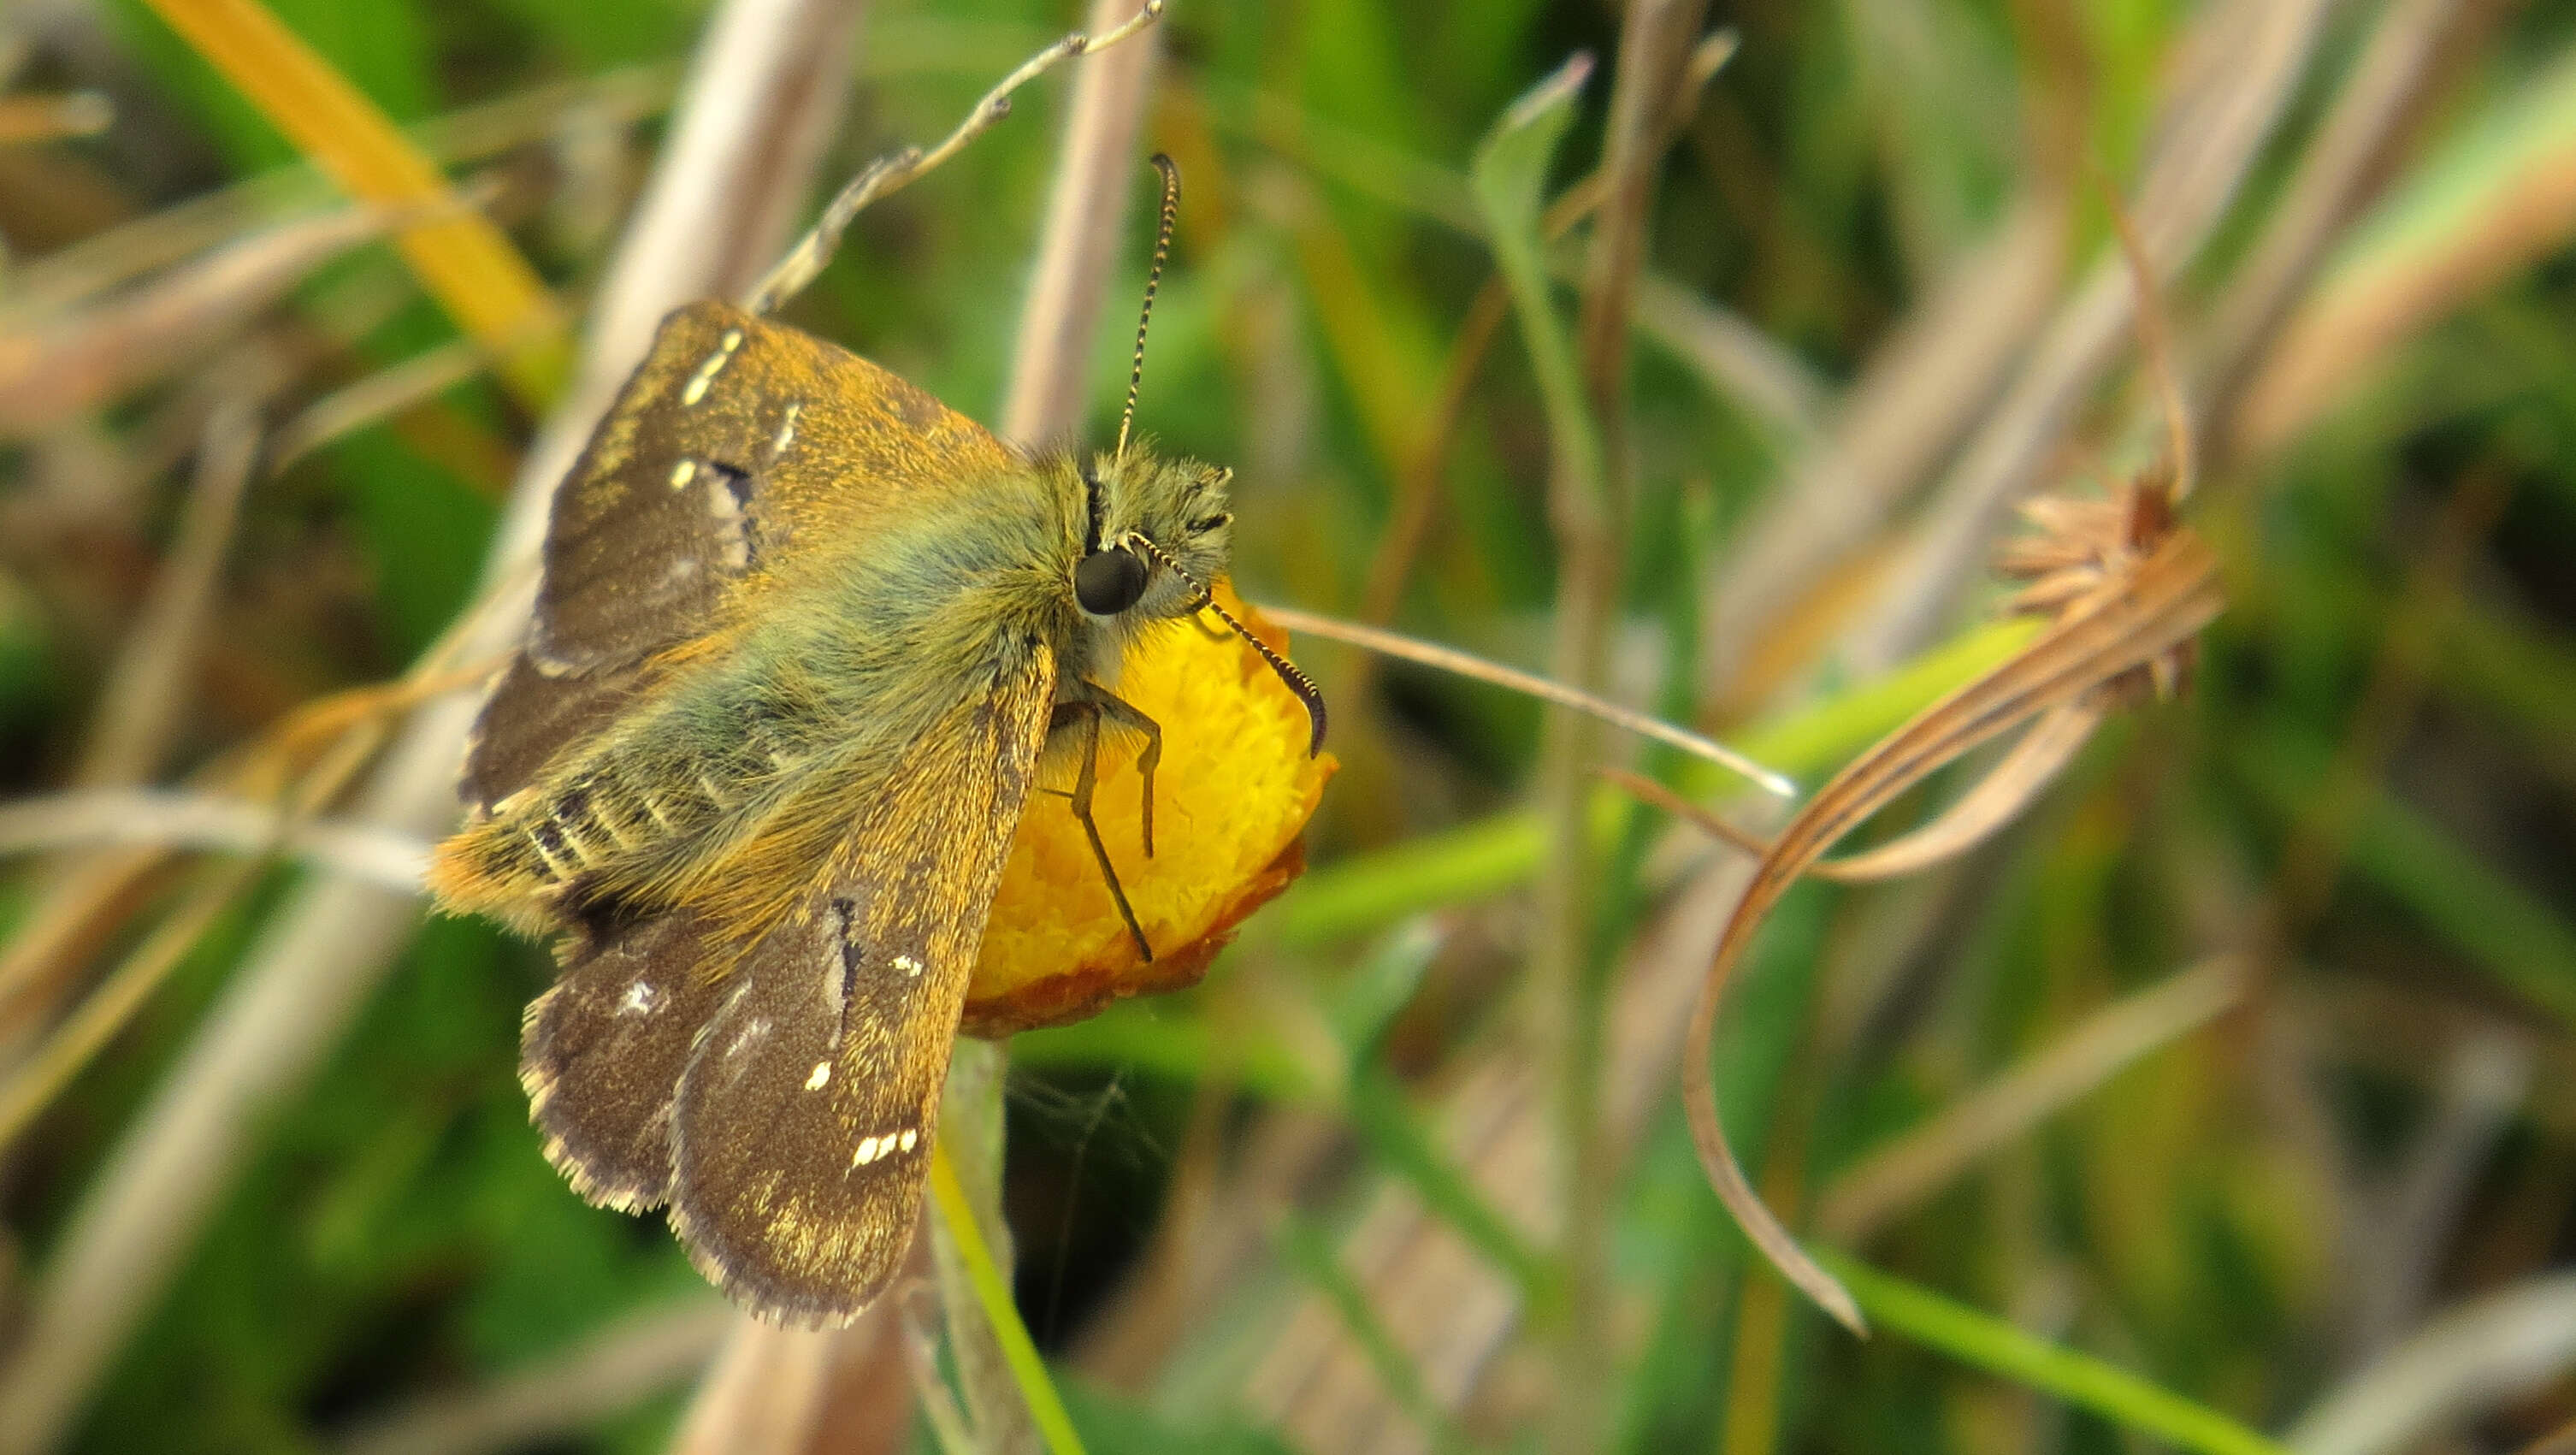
[593, 831]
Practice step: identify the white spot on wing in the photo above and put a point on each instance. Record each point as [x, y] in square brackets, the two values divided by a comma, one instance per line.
[907, 964]
[883, 1145]
[703, 380]
[726, 507]
[639, 999]
[682, 473]
[822, 1076]
[787, 429]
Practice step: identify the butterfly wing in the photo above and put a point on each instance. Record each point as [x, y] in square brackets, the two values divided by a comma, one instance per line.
[802, 1126]
[734, 436]
[602, 1051]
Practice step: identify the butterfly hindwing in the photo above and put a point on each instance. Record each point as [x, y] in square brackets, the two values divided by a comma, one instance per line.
[601, 1053]
[802, 1128]
[734, 437]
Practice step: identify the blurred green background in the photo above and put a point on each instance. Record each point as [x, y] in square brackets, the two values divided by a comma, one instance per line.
[1875, 233]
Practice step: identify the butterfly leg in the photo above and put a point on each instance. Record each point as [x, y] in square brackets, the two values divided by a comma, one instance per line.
[1126, 715]
[1086, 778]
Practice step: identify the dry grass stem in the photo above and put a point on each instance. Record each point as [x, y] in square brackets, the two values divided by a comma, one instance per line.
[1917, 394]
[461, 257]
[85, 818]
[2485, 1354]
[1464, 664]
[73, 276]
[1079, 245]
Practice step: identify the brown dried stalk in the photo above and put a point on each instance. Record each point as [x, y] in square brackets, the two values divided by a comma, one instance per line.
[2120, 627]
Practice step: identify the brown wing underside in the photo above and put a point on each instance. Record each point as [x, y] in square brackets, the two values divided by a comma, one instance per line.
[785, 1111]
[735, 438]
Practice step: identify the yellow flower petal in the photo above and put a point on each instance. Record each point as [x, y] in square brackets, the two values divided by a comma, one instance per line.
[1234, 790]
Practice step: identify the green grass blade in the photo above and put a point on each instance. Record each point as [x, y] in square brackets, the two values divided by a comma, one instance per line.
[1980, 1339]
[1046, 1408]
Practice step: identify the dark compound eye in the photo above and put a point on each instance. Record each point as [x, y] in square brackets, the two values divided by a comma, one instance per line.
[1108, 582]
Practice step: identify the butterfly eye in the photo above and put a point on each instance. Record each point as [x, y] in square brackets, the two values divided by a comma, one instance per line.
[1108, 582]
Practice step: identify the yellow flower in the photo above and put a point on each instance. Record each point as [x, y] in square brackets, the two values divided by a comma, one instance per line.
[1232, 794]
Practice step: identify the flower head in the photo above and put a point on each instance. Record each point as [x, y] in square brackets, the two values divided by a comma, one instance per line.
[1231, 796]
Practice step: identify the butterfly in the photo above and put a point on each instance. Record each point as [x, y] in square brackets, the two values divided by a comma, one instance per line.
[805, 642]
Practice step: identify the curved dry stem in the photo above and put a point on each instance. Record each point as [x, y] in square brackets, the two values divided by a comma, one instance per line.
[1998, 798]
[2006, 789]
[2171, 596]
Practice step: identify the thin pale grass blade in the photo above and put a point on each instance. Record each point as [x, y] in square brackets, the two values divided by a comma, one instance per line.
[2375, 114]
[301, 763]
[148, 687]
[2173, 594]
[380, 396]
[1464, 664]
[2244, 61]
[2155, 344]
[56, 370]
[1902, 1174]
[141, 817]
[340, 733]
[329, 942]
[920, 1319]
[466, 262]
[2480, 1356]
[1079, 245]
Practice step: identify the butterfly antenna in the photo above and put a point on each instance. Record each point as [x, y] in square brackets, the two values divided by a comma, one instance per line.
[1162, 250]
[1298, 682]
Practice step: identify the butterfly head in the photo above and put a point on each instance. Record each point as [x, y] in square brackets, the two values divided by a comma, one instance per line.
[1160, 532]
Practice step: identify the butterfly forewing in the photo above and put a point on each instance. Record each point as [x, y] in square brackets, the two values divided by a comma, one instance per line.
[734, 436]
[803, 1124]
